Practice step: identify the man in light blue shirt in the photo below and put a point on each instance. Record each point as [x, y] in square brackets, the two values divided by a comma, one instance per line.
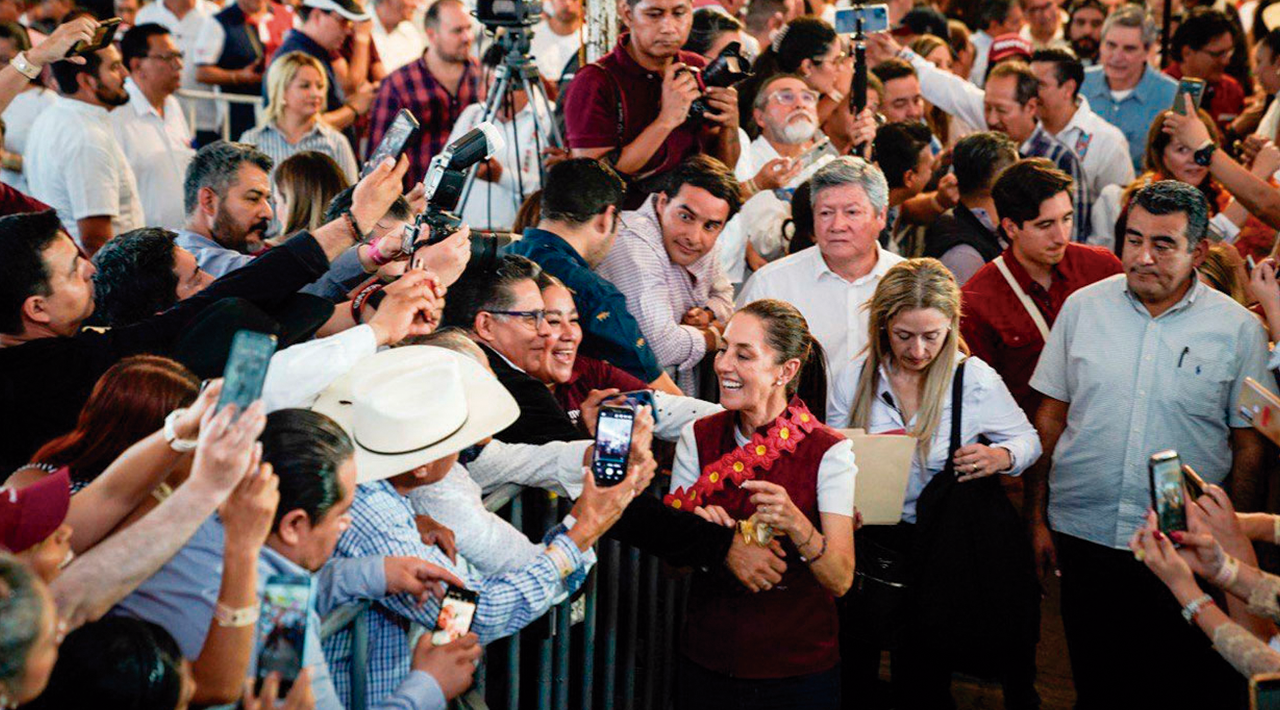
[1134, 365]
[1123, 89]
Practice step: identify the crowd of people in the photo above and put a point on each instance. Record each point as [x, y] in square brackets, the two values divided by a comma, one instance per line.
[1044, 249]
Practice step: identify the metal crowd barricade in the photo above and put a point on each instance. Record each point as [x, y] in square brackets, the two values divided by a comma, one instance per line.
[610, 646]
[223, 101]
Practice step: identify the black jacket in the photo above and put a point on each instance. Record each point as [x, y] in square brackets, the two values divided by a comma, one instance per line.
[958, 226]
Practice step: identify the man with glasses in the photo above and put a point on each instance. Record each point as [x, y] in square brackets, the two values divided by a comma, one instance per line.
[326, 24]
[151, 129]
[1044, 24]
[1203, 45]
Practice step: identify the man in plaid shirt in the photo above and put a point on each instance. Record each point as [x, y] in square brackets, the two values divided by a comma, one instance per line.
[435, 88]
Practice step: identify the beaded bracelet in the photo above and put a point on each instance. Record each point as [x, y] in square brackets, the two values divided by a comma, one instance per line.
[815, 558]
[362, 298]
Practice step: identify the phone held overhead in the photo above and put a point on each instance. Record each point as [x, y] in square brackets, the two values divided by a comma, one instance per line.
[246, 369]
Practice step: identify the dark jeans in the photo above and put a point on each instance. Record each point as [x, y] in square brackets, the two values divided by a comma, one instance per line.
[1128, 644]
[700, 689]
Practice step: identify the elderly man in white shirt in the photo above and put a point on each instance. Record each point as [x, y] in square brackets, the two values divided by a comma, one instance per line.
[398, 42]
[73, 162]
[151, 128]
[830, 281]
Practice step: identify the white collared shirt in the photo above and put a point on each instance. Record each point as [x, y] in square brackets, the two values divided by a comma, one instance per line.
[831, 305]
[764, 215]
[399, 46]
[74, 164]
[185, 32]
[1097, 143]
[18, 118]
[158, 149]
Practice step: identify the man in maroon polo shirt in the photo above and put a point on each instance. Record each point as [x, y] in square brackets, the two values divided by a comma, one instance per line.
[631, 107]
[1033, 199]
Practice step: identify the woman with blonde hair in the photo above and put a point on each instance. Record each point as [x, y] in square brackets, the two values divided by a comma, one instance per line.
[296, 86]
[305, 184]
[915, 378]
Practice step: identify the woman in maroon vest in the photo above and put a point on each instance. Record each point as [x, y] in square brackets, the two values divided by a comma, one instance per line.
[769, 466]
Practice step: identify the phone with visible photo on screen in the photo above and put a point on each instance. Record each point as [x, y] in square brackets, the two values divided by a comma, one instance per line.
[875, 18]
[456, 613]
[282, 629]
[246, 368]
[1188, 86]
[613, 445]
[402, 128]
[1168, 490]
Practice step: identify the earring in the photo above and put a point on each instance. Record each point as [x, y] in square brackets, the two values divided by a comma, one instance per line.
[778, 383]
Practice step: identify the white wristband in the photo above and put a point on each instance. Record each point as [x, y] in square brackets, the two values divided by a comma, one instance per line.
[25, 66]
[182, 446]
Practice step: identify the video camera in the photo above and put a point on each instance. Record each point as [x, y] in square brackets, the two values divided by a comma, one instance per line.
[509, 13]
[728, 69]
[445, 179]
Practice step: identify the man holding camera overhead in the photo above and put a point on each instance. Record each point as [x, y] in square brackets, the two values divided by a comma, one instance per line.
[631, 108]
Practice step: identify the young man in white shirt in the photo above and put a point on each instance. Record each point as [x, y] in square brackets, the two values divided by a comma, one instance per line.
[151, 128]
[72, 160]
[398, 42]
[555, 39]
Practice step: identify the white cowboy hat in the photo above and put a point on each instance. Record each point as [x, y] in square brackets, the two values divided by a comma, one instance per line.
[409, 406]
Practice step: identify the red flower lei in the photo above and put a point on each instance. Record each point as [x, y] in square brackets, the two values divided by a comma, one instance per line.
[746, 462]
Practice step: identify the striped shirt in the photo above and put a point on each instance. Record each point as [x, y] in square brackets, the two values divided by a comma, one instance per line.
[1043, 145]
[321, 138]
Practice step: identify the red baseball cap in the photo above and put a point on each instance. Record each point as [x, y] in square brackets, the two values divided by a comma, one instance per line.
[32, 513]
[1009, 46]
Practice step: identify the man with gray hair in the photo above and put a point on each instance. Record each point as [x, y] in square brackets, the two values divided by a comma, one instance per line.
[1122, 88]
[1136, 364]
[830, 281]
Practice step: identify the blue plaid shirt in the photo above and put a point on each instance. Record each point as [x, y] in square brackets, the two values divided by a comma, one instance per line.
[1043, 145]
[383, 524]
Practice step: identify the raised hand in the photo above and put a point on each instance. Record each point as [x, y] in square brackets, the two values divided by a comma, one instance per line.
[447, 258]
[376, 191]
[227, 447]
[408, 308]
[55, 46]
[248, 513]
[300, 696]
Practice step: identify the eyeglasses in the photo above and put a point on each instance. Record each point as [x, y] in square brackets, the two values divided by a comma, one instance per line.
[532, 319]
[171, 57]
[789, 97]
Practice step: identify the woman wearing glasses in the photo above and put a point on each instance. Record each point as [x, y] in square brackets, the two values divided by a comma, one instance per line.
[956, 521]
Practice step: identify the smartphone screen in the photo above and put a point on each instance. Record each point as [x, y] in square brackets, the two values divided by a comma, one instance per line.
[246, 368]
[1264, 692]
[456, 612]
[875, 18]
[102, 36]
[1194, 87]
[1168, 496]
[641, 398]
[814, 154]
[613, 445]
[282, 628]
[393, 141]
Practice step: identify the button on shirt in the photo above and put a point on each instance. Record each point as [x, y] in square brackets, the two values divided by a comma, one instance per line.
[659, 292]
[158, 149]
[1137, 385]
[1134, 113]
[75, 165]
[831, 305]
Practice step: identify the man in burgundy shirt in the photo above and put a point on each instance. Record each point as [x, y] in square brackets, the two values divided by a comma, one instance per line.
[631, 107]
[1203, 46]
[435, 88]
[1033, 199]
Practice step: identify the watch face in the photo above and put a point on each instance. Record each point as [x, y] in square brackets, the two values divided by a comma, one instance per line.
[1204, 156]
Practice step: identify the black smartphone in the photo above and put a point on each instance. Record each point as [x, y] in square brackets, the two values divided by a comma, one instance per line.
[1194, 87]
[1168, 492]
[613, 445]
[1264, 691]
[641, 398]
[393, 141]
[456, 612]
[282, 626]
[102, 36]
[246, 368]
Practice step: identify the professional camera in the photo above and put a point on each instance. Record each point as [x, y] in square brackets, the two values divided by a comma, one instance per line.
[727, 69]
[444, 182]
[509, 13]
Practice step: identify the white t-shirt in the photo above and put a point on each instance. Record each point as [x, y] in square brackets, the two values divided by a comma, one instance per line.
[552, 51]
[158, 149]
[400, 46]
[18, 117]
[74, 164]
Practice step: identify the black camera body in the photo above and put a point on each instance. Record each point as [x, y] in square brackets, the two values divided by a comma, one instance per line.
[730, 68]
[509, 13]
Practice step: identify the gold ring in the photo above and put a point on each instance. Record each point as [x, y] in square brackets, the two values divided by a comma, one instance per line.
[1140, 555]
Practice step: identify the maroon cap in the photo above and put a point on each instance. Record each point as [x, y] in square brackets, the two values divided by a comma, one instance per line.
[30, 514]
[1008, 47]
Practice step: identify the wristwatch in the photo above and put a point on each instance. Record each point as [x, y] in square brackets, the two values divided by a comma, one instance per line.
[171, 433]
[25, 67]
[1204, 154]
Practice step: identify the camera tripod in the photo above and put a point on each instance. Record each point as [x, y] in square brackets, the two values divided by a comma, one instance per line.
[518, 71]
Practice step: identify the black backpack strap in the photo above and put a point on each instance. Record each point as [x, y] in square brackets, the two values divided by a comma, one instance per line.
[957, 411]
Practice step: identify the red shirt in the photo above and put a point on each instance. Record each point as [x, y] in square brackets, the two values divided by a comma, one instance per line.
[1223, 100]
[592, 374]
[15, 202]
[998, 329]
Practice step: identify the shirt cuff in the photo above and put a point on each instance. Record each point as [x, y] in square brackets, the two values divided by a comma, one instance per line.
[1273, 360]
[420, 691]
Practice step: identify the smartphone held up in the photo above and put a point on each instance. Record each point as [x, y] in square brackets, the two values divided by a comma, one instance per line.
[1168, 491]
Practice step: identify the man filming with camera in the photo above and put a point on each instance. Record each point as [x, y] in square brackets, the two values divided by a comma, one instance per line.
[632, 107]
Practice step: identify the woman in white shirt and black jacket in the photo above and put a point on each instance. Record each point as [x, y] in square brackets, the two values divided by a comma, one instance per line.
[951, 587]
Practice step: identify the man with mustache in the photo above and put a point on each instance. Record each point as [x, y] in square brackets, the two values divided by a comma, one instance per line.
[227, 196]
[1084, 30]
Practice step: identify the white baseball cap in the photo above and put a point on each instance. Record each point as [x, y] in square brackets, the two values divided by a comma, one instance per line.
[349, 9]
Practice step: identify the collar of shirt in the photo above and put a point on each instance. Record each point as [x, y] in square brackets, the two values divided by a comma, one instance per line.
[139, 102]
[315, 129]
[1028, 284]
[820, 268]
[494, 351]
[984, 217]
[88, 110]
[1188, 299]
[552, 242]
[188, 239]
[1080, 120]
[644, 224]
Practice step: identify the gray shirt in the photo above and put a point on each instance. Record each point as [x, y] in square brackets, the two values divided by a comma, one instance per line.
[1137, 385]
[344, 273]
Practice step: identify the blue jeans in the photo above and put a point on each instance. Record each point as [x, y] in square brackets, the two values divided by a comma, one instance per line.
[698, 688]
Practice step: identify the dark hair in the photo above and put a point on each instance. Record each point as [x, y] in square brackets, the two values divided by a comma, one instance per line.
[1198, 28]
[310, 179]
[65, 73]
[707, 173]
[800, 39]
[1066, 67]
[893, 68]
[1271, 40]
[787, 333]
[1028, 86]
[305, 449]
[992, 12]
[1079, 5]
[21, 617]
[529, 214]
[136, 43]
[708, 25]
[897, 149]
[22, 269]
[486, 288]
[801, 219]
[1173, 196]
[432, 17]
[215, 166]
[577, 190]
[115, 663]
[135, 277]
[977, 158]
[1023, 186]
[17, 33]
[341, 202]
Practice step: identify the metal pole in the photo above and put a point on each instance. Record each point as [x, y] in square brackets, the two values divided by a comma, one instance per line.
[1165, 38]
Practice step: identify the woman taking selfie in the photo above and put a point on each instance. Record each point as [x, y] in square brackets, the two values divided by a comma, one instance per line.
[907, 382]
[768, 466]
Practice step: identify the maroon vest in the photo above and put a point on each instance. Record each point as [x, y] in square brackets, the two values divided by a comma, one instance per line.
[789, 630]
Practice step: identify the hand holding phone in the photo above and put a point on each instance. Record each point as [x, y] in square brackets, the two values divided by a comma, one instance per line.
[102, 36]
[613, 445]
[1168, 491]
[282, 627]
[246, 369]
[402, 128]
[1188, 87]
[1261, 408]
[456, 613]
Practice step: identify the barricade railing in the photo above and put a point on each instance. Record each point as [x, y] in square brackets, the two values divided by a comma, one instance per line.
[222, 101]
